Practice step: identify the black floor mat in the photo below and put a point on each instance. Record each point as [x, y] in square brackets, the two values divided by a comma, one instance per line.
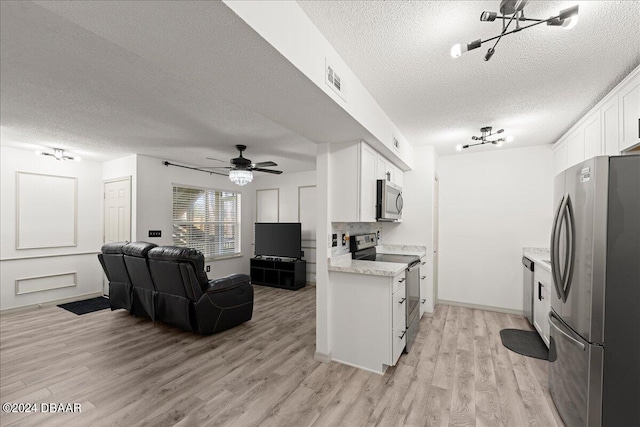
[87, 305]
[527, 343]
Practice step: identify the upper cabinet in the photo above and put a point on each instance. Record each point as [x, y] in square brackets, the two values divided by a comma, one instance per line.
[610, 128]
[354, 169]
[629, 113]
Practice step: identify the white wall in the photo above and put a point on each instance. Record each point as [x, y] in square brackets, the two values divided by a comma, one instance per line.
[492, 204]
[155, 207]
[288, 185]
[416, 227]
[49, 262]
[288, 29]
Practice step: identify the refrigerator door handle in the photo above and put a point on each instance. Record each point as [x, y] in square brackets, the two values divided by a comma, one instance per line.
[558, 276]
[554, 250]
[571, 339]
[571, 253]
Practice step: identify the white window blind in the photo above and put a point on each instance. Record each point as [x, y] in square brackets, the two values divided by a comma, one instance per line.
[207, 220]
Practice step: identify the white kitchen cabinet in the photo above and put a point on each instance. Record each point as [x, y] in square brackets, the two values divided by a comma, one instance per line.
[368, 322]
[610, 128]
[354, 169]
[387, 170]
[629, 113]
[423, 284]
[561, 158]
[592, 136]
[576, 147]
[542, 301]
[367, 208]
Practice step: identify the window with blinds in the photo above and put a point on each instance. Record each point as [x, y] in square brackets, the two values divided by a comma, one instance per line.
[207, 220]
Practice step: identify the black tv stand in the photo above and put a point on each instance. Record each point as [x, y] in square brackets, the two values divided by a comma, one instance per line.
[290, 274]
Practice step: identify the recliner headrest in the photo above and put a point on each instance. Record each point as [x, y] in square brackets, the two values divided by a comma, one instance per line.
[138, 249]
[113, 248]
[175, 253]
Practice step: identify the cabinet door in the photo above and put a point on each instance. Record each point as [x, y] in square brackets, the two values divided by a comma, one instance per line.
[575, 144]
[381, 167]
[609, 119]
[423, 284]
[592, 136]
[629, 114]
[561, 159]
[397, 176]
[368, 159]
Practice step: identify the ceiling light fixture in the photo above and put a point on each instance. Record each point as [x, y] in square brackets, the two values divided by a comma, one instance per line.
[58, 154]
[486, 133]
[513, 10]
[240, 176]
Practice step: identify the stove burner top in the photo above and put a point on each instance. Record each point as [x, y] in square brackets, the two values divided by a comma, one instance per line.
[405, 259]
[370, 254]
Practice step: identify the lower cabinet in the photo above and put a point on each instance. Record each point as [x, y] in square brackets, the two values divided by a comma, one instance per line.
[542, 301]
[423, 284]
[368, 322]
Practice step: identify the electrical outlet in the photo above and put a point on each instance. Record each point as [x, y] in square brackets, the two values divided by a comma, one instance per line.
[155, 233]
[344, 240]
[334, 240]
[208, 269]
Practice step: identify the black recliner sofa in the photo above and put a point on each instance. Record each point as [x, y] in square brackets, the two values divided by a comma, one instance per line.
[169, 284]
[112, 261]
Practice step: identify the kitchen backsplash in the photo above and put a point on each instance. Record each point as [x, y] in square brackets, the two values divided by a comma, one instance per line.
[352, 229]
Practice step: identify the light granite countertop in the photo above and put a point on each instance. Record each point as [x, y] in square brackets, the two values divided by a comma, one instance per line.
[345, 264]
[539, 256]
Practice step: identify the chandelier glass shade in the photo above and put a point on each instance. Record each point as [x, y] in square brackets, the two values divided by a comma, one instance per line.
[240, 177]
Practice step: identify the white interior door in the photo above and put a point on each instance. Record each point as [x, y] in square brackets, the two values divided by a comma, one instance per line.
[436, 234]
[117, 214]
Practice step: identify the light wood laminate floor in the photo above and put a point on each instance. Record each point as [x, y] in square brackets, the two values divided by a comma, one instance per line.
[126, 371]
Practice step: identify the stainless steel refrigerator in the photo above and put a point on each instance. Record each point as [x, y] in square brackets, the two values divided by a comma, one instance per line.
[594, 352]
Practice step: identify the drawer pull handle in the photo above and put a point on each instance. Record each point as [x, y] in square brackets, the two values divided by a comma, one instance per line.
[424, 300]
[402, 301]
[403, 334]
[401, 280]
[423, 277]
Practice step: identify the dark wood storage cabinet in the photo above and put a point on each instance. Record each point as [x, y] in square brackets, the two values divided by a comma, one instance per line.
[279, 274]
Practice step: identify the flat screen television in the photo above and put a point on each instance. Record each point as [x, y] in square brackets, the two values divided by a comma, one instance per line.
[280, 239]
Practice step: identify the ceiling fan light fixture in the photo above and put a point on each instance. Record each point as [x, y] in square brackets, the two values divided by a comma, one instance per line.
[509, 138]
[569, 12]
[240, 177]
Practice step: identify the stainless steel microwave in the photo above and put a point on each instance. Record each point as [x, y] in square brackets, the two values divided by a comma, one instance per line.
[389, 201]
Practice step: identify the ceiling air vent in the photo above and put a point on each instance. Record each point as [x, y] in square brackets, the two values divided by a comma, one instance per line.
[334, 80]
[396, 144]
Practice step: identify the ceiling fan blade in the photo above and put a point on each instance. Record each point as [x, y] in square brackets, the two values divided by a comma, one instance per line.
[263, 164]
[215, 167]
[218, 160]
[267, 171]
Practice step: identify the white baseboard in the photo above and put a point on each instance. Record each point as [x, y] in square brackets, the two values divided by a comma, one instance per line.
[322, 357]
[50, 303]
[482, 307]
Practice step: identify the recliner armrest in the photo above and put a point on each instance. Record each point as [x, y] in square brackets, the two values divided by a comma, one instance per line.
[228, 282]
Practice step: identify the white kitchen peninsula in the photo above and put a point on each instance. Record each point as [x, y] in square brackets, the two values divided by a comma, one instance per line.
[368, 302]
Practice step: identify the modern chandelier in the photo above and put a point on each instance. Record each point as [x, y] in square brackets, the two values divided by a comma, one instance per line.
[513, 10]
[59, 154]
[486, 132]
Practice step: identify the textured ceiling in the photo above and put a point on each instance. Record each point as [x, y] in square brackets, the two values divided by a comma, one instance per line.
[537, 85]
[175, 80]
[187, 80]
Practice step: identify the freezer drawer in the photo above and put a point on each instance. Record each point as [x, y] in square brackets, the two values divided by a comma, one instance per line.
[575, 375]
